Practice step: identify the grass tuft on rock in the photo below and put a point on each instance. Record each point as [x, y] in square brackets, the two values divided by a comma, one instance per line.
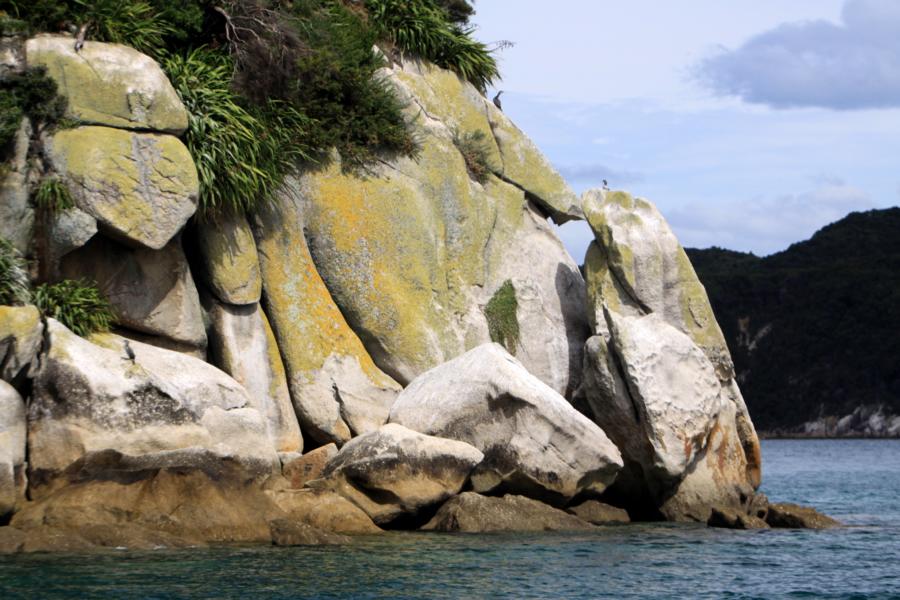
[241, 152]
[500, 312]
[77, 304]
[13, 275]
[435, 33]
[475, 151]
[52, 196]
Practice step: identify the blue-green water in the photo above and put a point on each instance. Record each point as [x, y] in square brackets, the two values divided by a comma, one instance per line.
[856, 481]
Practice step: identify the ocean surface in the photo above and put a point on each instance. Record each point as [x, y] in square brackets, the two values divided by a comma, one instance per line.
[856, 481]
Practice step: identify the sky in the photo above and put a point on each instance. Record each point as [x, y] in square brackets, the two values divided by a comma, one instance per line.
[749, 123]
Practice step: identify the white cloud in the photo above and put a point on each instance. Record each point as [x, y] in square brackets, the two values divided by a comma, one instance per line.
[771, 223]
[853, 65]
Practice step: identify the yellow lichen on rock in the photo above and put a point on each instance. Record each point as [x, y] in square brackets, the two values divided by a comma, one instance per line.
[230, 259]
[141, 187]
[399, 252]
[110, 84]
[442, 95]
[312, 334]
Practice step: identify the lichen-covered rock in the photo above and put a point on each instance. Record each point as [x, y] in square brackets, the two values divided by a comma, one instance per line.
[442, 96]
[141, 187]
[526, 167]
[162, 407]
[230, 262]
[21, 335]
[12, 448]
[336, 389]
[16, 212]
[658, 376]
[151, 291]
[110, 84]
[534, 442]
[242, 345]
[640, 264]
[394, 471]
[473, 513]
[414, 252]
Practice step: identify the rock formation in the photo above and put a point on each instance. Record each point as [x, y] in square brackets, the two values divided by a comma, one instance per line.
[534, 442]
[394, 471]
[658, 376]
[473, 513]
[241, 340]
[414, 253]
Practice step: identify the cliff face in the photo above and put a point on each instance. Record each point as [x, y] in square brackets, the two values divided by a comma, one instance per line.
[813, 328]
[240, 341]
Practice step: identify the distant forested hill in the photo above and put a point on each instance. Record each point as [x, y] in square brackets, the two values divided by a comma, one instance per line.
[815, 329]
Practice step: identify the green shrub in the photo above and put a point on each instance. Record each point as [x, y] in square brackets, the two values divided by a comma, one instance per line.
[11, 114]
[241, 152]
[458, 11]
[32, 94]
[475, 151]
[53, 196]
[77, 304]
[503, 324]
[337, 87]
[10, 26]
[424, 28]
[13, 275]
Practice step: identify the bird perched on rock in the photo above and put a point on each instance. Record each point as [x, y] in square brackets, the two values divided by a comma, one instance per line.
[605, 185]
[129, 353]
[79, 37]
[497, 100]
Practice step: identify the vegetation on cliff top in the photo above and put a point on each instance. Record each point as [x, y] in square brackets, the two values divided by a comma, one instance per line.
[270, 83]
[813, 329]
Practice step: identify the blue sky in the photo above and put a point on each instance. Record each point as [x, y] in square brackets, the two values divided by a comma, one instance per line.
[750, 124]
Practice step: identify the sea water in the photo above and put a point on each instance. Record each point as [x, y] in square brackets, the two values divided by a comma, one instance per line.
[856, 481]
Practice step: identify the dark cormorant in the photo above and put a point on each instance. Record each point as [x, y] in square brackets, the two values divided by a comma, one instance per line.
[129, 353]
[497, 100]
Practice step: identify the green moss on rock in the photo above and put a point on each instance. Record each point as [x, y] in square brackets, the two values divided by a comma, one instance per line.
[500, 312]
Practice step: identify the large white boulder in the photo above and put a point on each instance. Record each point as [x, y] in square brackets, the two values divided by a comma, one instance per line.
[534, 442]
[90, 397]
[394, 471]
